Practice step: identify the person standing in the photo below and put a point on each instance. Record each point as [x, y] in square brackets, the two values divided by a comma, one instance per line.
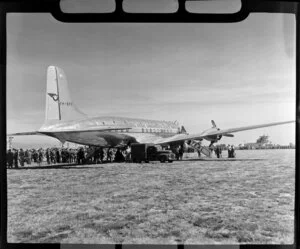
[199, 152]
[96, 156]
[48, 156]
[85, 153]
[180, 152]
[80, 156]
[10, 159]
[68, 156]
[128, 154]
[217, 151]
[229, 151]
[109, 154]
[63, 156]
[32, 155]
[101, 155]
[27, 156]
[57, 154]
[77, 156]
[22, 157]
[40, 156]
[220, 151]
[52, 156]
[16, 158]
[119, 156]
[232, 151]
[35, 156]
[177, 153]
[73, 156]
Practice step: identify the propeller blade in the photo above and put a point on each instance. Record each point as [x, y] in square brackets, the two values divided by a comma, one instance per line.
[228, 135]
[213, 124]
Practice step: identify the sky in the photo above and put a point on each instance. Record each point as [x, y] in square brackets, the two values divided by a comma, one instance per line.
[235, 74]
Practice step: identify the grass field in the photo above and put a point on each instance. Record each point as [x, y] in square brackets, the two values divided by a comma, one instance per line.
[190, 202]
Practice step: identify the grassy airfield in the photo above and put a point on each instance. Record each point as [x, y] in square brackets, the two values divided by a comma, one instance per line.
[190, 202]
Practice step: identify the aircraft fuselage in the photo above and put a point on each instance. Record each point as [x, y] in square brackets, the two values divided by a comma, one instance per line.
[117, 131]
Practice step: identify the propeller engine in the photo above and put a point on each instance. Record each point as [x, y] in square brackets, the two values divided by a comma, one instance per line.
[216, 138]
[220, 136]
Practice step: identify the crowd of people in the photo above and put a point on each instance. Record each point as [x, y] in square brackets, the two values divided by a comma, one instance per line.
[50, 156]
[83, 155]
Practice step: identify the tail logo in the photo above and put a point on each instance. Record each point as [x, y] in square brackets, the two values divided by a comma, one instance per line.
[54, 96]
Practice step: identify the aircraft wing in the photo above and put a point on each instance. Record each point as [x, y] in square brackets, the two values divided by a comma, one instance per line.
[46, 132]
[225, 132]
[245, 128]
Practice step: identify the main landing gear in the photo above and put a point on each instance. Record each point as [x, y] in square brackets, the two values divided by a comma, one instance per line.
[211, 144]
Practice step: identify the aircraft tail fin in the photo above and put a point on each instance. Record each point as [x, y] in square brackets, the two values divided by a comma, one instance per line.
[59, 105]
[183, 130]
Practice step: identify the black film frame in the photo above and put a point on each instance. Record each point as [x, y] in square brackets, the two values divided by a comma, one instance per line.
[119, 16]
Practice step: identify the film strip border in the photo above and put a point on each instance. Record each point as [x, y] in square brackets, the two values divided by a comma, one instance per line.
[145, 246]
[119, 15]
[181, 16]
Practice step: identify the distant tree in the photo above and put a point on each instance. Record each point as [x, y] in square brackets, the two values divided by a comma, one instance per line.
[291, 145]
[264, 139]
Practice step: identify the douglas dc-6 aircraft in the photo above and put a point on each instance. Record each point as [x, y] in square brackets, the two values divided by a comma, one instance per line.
[65, 122]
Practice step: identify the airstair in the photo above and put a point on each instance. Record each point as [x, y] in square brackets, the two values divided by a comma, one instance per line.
[204, 150]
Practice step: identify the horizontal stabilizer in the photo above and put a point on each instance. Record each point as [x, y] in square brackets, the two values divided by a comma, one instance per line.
[25, 133]
[45, 131]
